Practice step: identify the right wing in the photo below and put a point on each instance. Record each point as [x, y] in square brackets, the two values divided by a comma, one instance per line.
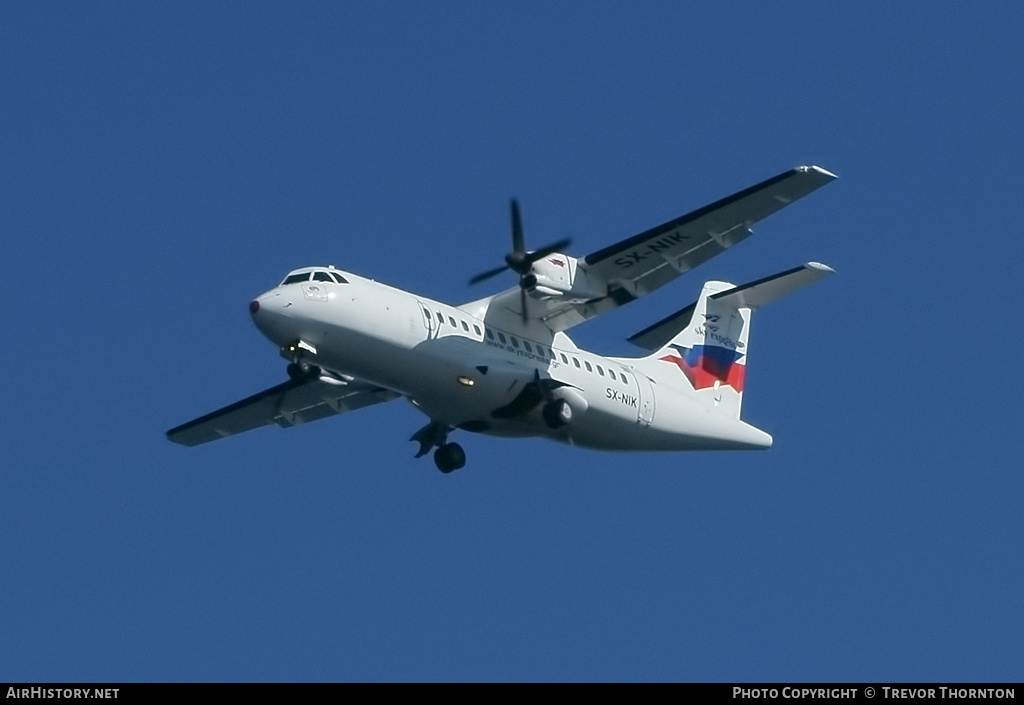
[650, 259]
[638, 265]
[287, 404]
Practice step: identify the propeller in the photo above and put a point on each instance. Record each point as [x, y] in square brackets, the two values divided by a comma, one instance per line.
[532, 394]
[519, 260]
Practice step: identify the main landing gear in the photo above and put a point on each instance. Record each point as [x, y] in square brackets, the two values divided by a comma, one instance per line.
[448, 457]
[557, 413]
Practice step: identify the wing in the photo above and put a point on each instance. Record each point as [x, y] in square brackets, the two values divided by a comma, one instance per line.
[638, 265]
[646, 261]
[287, 404]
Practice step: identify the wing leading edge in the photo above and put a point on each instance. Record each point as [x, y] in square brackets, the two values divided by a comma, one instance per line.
[287, 404]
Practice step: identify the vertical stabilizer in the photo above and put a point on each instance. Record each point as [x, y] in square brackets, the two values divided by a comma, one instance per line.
[710, 352]
[705, 345]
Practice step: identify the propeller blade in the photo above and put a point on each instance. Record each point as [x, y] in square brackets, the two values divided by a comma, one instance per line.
[519, 260]
[525, 402]
[488, 274]
[517, 229]
[533, 393]
[545, 251]
[522, 304]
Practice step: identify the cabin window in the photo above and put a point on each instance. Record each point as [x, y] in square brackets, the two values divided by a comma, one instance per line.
[476, 329]
[465, 327]
[526, 344]
[600, 370]
[451, 319]
[576, 361]
[611, 373]
[589, 368]
[440, 318]
[515, 341]
[501, 337]
[490, 333]
[565, 360]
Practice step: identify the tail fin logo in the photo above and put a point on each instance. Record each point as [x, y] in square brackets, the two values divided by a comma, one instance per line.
[706, 365]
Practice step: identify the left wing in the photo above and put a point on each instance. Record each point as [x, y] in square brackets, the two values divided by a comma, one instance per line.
[287, 404]
[638, 265]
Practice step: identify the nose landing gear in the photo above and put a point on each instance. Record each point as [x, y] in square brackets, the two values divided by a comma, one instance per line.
[300, 368]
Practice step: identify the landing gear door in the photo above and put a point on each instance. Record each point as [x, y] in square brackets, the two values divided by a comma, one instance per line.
[645, 410]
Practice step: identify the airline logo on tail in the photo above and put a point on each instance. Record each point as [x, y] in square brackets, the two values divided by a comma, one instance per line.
[704, 365]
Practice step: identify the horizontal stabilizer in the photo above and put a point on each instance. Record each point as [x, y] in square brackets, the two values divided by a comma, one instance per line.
[764, 291]
[752, 295]
[656, 336]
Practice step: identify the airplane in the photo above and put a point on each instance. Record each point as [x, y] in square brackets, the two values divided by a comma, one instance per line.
[504, 366]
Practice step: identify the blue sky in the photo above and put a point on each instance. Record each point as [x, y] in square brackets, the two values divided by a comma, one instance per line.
[163, 164]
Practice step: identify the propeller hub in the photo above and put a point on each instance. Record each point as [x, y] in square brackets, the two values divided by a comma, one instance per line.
[518, 262]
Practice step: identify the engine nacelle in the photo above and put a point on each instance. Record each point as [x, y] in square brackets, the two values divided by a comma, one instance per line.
[557, 276]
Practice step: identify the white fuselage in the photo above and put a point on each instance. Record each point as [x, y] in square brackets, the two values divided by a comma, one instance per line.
[459, 368]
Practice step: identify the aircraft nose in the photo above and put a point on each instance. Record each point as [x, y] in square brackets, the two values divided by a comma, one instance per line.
[262, 307]
[267, 311]
[266, 305]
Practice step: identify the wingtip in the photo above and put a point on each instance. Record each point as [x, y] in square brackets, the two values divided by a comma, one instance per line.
[819, 170]
[175, 439]
[818, 266]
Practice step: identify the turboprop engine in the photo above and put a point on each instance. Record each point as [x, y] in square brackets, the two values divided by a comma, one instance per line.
[558, 276]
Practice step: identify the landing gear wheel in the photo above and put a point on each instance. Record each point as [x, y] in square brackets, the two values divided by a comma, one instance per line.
[449, 457]
[303, 369]
[557, 413]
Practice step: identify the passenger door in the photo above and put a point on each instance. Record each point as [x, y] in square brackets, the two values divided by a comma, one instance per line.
[427, 317]
[645, 389]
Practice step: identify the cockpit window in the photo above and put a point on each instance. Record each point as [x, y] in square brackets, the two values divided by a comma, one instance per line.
[318, 275]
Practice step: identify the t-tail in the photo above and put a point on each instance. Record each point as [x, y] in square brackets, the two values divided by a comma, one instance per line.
[705, 345]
